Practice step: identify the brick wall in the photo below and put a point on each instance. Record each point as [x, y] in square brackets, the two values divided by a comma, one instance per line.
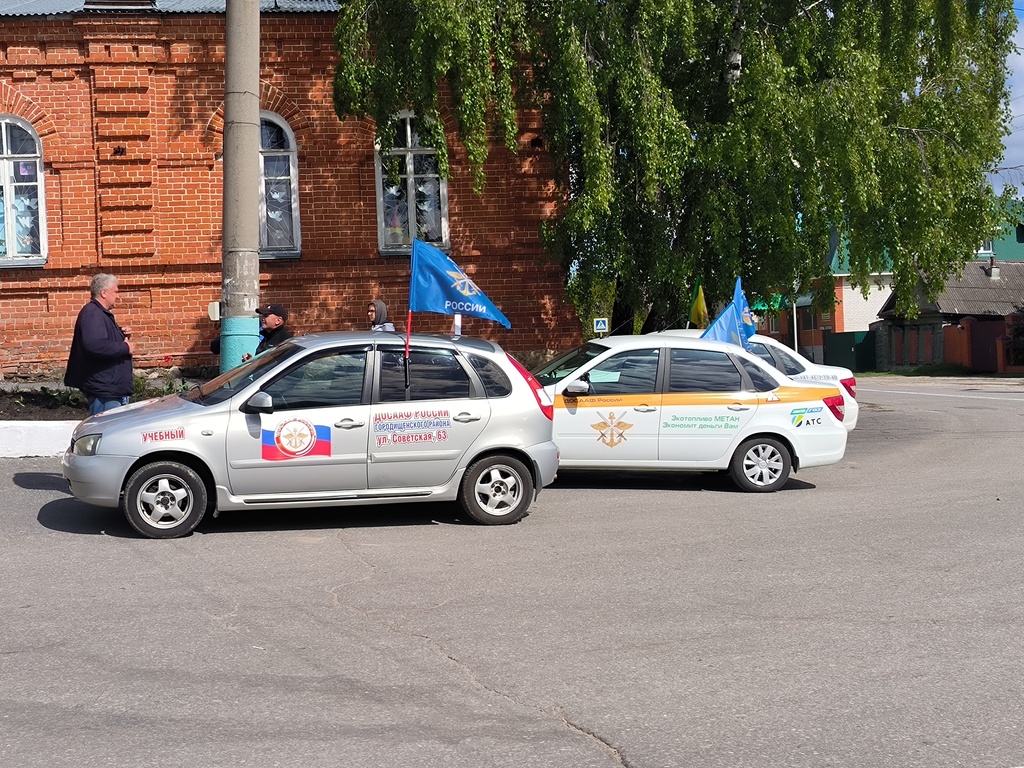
[130, 113]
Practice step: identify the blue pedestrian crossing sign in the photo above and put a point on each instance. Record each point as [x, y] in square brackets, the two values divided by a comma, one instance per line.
[600, 325]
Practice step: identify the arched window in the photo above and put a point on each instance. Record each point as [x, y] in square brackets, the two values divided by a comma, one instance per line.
[279, 189]
[22, 195]
[415, 202]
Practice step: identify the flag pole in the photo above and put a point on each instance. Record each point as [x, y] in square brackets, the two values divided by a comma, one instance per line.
[408, 333]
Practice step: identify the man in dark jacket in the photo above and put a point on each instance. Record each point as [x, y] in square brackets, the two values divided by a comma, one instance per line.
[272, 328]
[100, 361]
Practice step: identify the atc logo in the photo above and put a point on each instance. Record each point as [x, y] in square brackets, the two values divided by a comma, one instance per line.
[804, 417]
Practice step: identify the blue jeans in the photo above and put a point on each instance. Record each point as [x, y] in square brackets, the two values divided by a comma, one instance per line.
[99, 404]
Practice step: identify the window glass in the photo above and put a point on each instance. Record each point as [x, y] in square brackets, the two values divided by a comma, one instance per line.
[279, 203]
[328, 380]
[788, 364]
[412, 199]
[496, 383]
[21, 193]
[563, 365]
[628, 373]
[433, 375]
[761, 351]
[701, 370]
[761, 379]
[229, 383]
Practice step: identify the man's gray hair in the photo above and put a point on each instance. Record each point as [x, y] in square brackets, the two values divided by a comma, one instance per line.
[100, 283]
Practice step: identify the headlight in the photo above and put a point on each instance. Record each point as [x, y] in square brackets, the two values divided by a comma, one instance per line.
[87, 445]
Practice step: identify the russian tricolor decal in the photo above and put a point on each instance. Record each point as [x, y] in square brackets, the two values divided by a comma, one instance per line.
[294, 438]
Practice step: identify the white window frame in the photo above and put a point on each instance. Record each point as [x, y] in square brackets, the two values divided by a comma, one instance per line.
[406, 155]
[7, 188]
[295, 249]
[986, 247]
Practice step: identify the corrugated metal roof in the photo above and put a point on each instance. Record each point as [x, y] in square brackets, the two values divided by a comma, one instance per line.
[53, 7]
[977, 293]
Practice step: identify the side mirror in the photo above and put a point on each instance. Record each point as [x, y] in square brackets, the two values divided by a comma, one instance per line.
[578, 387]
[261, 402]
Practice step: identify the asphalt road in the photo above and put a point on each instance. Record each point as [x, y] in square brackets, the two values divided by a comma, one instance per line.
[868, 615]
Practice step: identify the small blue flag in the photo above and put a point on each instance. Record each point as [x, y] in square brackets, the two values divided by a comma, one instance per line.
[746, 318]
[438, 285]
[727, 327]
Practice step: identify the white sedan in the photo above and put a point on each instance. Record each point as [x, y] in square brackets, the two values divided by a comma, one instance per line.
[796, 366]
[667, 402]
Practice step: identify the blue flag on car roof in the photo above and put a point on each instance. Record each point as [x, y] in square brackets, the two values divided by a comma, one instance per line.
[438, 285]
[735, 324]
[747, 325]
[726, 327]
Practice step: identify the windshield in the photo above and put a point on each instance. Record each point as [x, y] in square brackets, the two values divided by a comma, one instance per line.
[228, 384]
[563, 365]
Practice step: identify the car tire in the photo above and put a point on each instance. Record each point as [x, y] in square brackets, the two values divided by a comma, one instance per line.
[497, 490]
[164, 500]
[761, 465]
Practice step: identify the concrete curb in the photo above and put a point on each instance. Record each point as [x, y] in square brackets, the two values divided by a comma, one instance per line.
[20, 439]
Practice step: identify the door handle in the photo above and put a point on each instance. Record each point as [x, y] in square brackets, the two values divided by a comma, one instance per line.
[644, 408]
[465, 418]
[738, 407]
[348, 424]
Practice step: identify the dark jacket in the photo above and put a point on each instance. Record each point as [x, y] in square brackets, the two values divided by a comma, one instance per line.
[273, 338]
[100, 363]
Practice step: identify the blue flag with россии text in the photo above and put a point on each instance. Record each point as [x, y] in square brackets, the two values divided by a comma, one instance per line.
[438, 285]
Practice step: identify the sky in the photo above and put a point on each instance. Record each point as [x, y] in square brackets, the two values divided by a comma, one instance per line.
[1012, 167]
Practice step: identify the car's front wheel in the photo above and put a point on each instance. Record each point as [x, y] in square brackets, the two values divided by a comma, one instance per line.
[164, 500]
[761, 465]
[496, 491]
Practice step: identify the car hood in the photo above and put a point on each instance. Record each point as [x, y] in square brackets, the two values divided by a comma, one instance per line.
[146, 412]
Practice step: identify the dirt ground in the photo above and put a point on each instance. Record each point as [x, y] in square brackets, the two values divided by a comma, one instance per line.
[42, 405]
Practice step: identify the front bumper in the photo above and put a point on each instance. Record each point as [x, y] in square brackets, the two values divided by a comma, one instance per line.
[96, 479]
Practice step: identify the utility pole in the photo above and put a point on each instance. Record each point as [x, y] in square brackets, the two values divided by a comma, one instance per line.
[240, 270]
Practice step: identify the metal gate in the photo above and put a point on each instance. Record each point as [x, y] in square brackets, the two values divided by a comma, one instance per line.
[983, 345]
[854, 350]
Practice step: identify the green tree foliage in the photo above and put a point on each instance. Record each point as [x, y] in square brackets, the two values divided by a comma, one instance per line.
[715, 138]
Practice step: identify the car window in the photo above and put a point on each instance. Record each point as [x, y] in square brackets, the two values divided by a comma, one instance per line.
[788, 364]
[330, 379]
[628, 373]
[225, 386]
[434, 374]
[702, 370]
[496, 383]
[563, 365]
[759, 377]
[762, 351]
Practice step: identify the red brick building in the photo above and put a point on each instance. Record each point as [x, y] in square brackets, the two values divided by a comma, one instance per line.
[112, 125]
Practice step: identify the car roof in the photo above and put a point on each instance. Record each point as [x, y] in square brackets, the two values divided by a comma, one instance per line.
[669, 339]
[689, 333]
[436, 341]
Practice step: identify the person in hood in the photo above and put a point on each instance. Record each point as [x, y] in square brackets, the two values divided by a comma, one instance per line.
[377, 312]
[272, 328]
[100, 360]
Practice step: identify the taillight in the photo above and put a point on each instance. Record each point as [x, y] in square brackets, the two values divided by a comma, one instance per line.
[541, 395]
[851, 386]
[836, 404]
